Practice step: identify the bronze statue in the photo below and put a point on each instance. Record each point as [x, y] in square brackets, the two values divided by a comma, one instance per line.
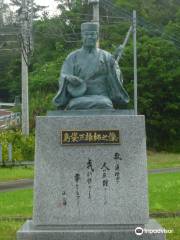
[90, 77]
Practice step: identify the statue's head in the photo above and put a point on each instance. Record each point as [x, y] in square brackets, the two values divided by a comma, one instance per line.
[90, 34]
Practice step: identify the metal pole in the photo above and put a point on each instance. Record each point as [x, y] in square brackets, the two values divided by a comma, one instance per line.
[24, 71]
[96, 16]
[0, 153]
[10, 152]
[95, 13]
[135, 62]
[1, 12]
[31, 25]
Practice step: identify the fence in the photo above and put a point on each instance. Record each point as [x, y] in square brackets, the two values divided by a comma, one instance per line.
[13, 119]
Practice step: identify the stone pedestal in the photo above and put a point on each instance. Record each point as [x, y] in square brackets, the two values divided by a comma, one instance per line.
[88, 232]
[94, 191]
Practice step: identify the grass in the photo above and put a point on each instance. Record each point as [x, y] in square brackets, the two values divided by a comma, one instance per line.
[163, 160]
[164, 192]
[171, 224]
[15, 173]
[16, 203]
[8, 230]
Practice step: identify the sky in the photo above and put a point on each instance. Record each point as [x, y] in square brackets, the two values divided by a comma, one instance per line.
[50, 3]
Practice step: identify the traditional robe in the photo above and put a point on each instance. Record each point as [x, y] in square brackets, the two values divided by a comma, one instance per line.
[103, 78]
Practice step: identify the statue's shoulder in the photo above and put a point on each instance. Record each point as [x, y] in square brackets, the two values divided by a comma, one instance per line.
[105, 54]
[107, 57]
[74, 54]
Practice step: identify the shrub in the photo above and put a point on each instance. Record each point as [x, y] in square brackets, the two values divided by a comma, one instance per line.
[23, 147]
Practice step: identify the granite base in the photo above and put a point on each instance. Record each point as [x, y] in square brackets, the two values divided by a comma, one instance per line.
[85, 232]
[121, 200]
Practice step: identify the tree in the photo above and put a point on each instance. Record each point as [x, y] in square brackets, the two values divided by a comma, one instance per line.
[158, 91]
[36, 8]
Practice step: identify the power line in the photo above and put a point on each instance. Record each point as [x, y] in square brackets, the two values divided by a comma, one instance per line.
[116, 10]
[8, 34]
[9, 49]
[8, 41]
[142, 22]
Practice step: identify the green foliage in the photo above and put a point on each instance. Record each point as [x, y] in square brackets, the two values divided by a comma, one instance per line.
[40, 103]
[23, 147]
[158, 61]
[158, 91]
[157, 11]
[44, 79]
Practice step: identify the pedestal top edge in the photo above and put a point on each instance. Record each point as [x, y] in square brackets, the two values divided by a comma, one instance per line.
[91, 112]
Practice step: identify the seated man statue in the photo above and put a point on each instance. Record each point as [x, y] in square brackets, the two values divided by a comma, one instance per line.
[90, 77]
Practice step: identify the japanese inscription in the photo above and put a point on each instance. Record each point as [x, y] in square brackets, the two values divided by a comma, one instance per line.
[90, 171]
[64, 198]
[105, 180]
[117, 158]
[107, 169]
[88, 137]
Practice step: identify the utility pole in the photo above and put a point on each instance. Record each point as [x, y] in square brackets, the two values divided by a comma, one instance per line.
[31, 25]
[1, 12]
[95, 4]
[26, 48]
[95, 10]
[135, 61]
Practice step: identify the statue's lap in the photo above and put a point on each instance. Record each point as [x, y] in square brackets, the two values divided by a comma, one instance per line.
[89, 102]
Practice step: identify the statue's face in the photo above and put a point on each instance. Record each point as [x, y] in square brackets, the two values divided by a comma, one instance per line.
[89, 38]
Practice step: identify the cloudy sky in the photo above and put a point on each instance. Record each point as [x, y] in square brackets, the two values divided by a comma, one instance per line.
[50, 3]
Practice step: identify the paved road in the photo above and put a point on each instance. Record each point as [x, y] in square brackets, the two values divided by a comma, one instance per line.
[28, 183]
[165, 170]
[18, 184]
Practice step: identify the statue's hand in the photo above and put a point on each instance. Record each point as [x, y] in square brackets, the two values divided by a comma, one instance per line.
[76, 86]
[75, 81]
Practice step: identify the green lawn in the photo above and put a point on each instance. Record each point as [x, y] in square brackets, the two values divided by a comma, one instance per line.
[163, 160]
[10, 174]
[8, 230]
[171, 224]
[16, 203]
[164, 192]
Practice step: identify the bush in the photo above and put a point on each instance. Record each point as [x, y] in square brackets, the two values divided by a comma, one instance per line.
[23, 147]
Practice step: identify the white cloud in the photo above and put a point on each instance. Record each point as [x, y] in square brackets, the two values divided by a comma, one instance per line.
[50, 3]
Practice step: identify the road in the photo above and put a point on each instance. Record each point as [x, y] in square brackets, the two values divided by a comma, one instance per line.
[28, 183]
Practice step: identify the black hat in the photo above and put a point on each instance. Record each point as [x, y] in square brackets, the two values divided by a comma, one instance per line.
[89, 26]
